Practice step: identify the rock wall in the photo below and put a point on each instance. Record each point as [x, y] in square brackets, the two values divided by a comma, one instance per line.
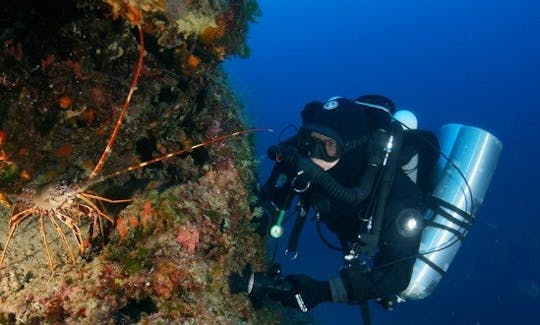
[165, 251]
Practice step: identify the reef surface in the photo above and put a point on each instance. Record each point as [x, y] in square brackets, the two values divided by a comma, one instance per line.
[66, 68]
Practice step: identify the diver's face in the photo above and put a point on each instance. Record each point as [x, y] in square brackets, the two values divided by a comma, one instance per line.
[325, 165]
[323, 150]
[328, 144]
[317, 145]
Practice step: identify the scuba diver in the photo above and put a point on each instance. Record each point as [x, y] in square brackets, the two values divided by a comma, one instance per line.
[399, 200]
[345, 164]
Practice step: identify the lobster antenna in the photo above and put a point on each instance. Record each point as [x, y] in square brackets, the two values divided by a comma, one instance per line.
[174, 154]
[136, 16]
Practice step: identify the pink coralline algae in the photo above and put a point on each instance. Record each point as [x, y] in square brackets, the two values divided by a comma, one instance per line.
[188, 238]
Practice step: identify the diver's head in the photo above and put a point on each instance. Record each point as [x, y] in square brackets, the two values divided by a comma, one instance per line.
[377, 102]
[330, 129]
[324, 149]
[379, 110]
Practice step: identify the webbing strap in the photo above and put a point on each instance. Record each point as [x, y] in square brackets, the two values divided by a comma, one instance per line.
[439, 204]
[440, 207]
[369, 242]
[294, 238]
[455, 232]
[432, 265]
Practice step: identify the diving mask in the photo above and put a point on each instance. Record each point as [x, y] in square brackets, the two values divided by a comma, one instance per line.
[319, 146]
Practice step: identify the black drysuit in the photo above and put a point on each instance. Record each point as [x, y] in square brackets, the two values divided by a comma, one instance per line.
[394, 259]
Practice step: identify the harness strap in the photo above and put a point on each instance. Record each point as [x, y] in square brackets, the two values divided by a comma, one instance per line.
[432, 265]
[368, 242]
[439, 204]
[294, 238]
[455, 232]
[440, 207]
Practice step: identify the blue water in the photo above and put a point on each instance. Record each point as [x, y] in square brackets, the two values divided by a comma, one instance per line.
[470, 62]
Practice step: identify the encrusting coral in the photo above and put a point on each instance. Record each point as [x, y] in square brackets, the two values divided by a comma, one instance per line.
[65, 69]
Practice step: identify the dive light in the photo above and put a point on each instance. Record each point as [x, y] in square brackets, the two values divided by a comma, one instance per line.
[277, 230]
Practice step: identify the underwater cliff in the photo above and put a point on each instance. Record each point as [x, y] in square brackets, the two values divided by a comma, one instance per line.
[152, 244]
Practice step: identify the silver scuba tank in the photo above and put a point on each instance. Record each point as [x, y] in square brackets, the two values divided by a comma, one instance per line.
[460, 186]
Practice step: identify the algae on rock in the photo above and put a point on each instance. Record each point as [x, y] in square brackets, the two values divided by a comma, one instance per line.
[65, 70]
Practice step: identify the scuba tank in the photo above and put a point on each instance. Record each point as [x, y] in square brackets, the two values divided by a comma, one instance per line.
[461, 182]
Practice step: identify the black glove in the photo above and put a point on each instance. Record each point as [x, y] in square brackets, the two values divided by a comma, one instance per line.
[290, 156]
[283, 153]
[302, 292]
[309, 168]
[240, 282]
[297, 291]
[255, 284]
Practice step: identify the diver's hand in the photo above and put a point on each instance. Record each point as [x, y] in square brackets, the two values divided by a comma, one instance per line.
[301, 292]
[255, 284]
[240, 282]
[283, 154]
[297, 291]
[311, 170]
[289, 155]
